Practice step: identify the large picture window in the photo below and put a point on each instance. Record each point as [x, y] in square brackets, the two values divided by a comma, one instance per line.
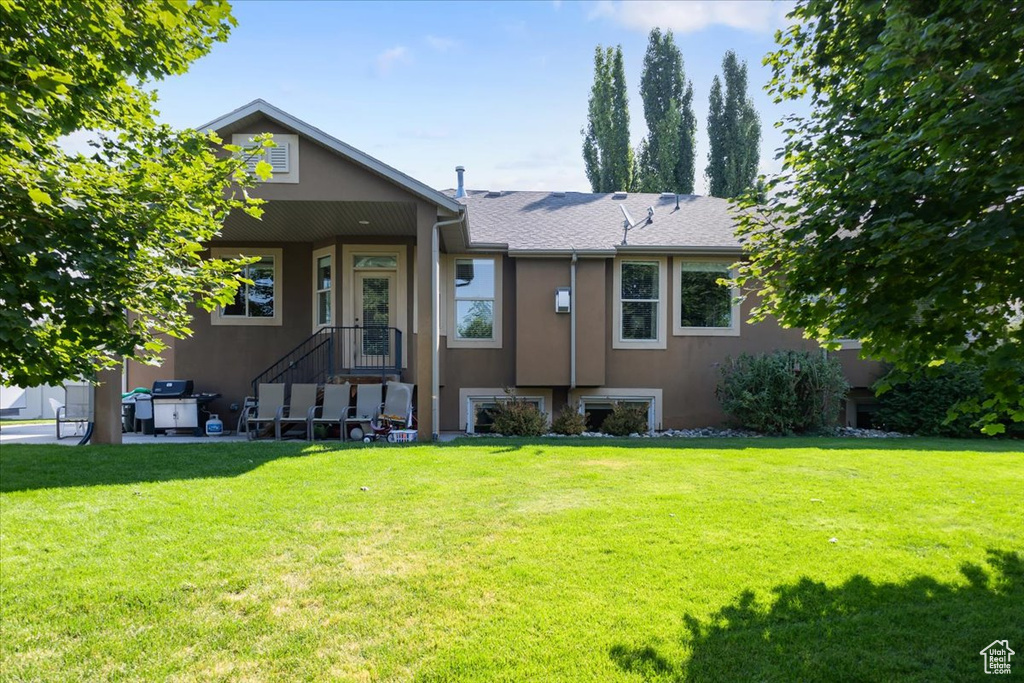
[703, 305]
[257, 302]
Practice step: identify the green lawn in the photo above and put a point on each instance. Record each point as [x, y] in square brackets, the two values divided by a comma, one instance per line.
[704, 560]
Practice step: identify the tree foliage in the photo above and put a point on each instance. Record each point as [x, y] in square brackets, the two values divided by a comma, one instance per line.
[734, 132]
[607, 154]
[85, 239]
[665, 161]
[897, 217]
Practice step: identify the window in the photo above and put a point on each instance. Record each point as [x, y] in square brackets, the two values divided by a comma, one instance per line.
[256, 302]
[597, 410]
[703, 306]
[599, 403]
[476, 403]
[639, 314]
[323, 283]
[476, 293]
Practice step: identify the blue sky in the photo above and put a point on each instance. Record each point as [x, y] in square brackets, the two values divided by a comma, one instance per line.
[500, 88]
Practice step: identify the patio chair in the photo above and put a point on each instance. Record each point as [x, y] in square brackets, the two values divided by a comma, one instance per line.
[269, 403]
[296, 411]
[398, 402]
[367, 408]
[77, 407]
[333, 410]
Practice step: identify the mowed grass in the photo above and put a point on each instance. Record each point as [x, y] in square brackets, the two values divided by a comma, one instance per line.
[699, 560]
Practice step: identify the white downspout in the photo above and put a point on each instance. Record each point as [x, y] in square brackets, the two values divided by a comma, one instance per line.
[435, 314]
[572, 321]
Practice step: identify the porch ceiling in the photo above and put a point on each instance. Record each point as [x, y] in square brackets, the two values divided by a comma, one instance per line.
[309, 221]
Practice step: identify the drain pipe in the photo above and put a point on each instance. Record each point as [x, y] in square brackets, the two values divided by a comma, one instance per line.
[435, 313]
[572, 321]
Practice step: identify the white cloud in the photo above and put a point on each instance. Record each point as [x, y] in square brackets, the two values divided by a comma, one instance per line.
[440, 44]
[391, 57]
[690, 17]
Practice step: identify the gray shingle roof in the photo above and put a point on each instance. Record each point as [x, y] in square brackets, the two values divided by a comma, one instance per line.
[580, 220]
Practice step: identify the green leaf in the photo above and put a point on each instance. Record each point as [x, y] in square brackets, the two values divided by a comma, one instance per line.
[39, 197]
[264, 170]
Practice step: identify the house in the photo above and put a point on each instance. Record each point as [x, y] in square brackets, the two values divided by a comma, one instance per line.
[365, 271]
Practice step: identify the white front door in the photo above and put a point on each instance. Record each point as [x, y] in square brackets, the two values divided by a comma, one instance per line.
[375, 313]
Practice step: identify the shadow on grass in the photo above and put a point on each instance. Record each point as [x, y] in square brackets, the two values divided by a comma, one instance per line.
[918, 630]
[987, 445]
[25, 467]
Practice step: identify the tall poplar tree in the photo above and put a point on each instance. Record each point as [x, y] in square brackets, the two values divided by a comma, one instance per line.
[606, 151]
[666, 157]
[734, 130]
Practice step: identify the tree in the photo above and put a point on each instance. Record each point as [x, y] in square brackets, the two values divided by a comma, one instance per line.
[665, 161]
[734, 129]
[606, 151]
[100, 254]
[898, 216]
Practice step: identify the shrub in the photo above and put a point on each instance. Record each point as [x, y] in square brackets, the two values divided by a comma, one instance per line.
[626, 419]
[783, 392]
[516, 417]
[570, 422]
[919, 404]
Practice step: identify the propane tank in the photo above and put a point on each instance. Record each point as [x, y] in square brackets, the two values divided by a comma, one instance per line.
[214, 426]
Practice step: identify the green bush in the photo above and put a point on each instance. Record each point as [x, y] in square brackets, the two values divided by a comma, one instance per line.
[516, 417]
[570, 422]
[919, 404]
[626, 419]
[784, 392]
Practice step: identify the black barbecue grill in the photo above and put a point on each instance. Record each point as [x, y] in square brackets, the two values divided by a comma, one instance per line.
[176, 406]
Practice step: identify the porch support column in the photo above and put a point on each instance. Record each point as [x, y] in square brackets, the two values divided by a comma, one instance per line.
[107, 407]
[426, 216]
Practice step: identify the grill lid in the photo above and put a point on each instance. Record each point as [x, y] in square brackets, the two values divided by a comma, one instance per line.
[172, 388]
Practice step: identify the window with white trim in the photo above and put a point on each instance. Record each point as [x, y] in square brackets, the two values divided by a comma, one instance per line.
[703, 306]
[474, 282]
[598, 408]
[479, 418]
[257, 302]
[324, 273]
[639, 298]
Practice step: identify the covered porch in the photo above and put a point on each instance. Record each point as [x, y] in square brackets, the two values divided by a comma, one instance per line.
[346, 281]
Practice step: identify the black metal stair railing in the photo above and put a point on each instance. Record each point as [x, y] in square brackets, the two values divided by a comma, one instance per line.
[334, 351]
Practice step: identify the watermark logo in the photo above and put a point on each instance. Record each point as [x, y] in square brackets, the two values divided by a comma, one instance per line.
[997, 657]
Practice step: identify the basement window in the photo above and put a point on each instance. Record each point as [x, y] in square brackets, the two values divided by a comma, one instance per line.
[479, 419]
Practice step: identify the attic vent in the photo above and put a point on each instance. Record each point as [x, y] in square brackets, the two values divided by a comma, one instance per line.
[619, 195]
[668, 195]
[493, 193]
[557, 194]
[277, 157]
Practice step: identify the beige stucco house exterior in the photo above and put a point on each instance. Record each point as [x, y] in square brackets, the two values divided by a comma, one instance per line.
[477, 290]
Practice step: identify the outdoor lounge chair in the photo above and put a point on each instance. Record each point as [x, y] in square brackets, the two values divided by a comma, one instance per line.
[268, 406]
[367, 408]
[77, 407]
[333, 411]
[398, 402]
[296, 411]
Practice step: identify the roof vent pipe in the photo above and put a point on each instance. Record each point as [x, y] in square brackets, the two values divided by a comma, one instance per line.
[460, 191]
